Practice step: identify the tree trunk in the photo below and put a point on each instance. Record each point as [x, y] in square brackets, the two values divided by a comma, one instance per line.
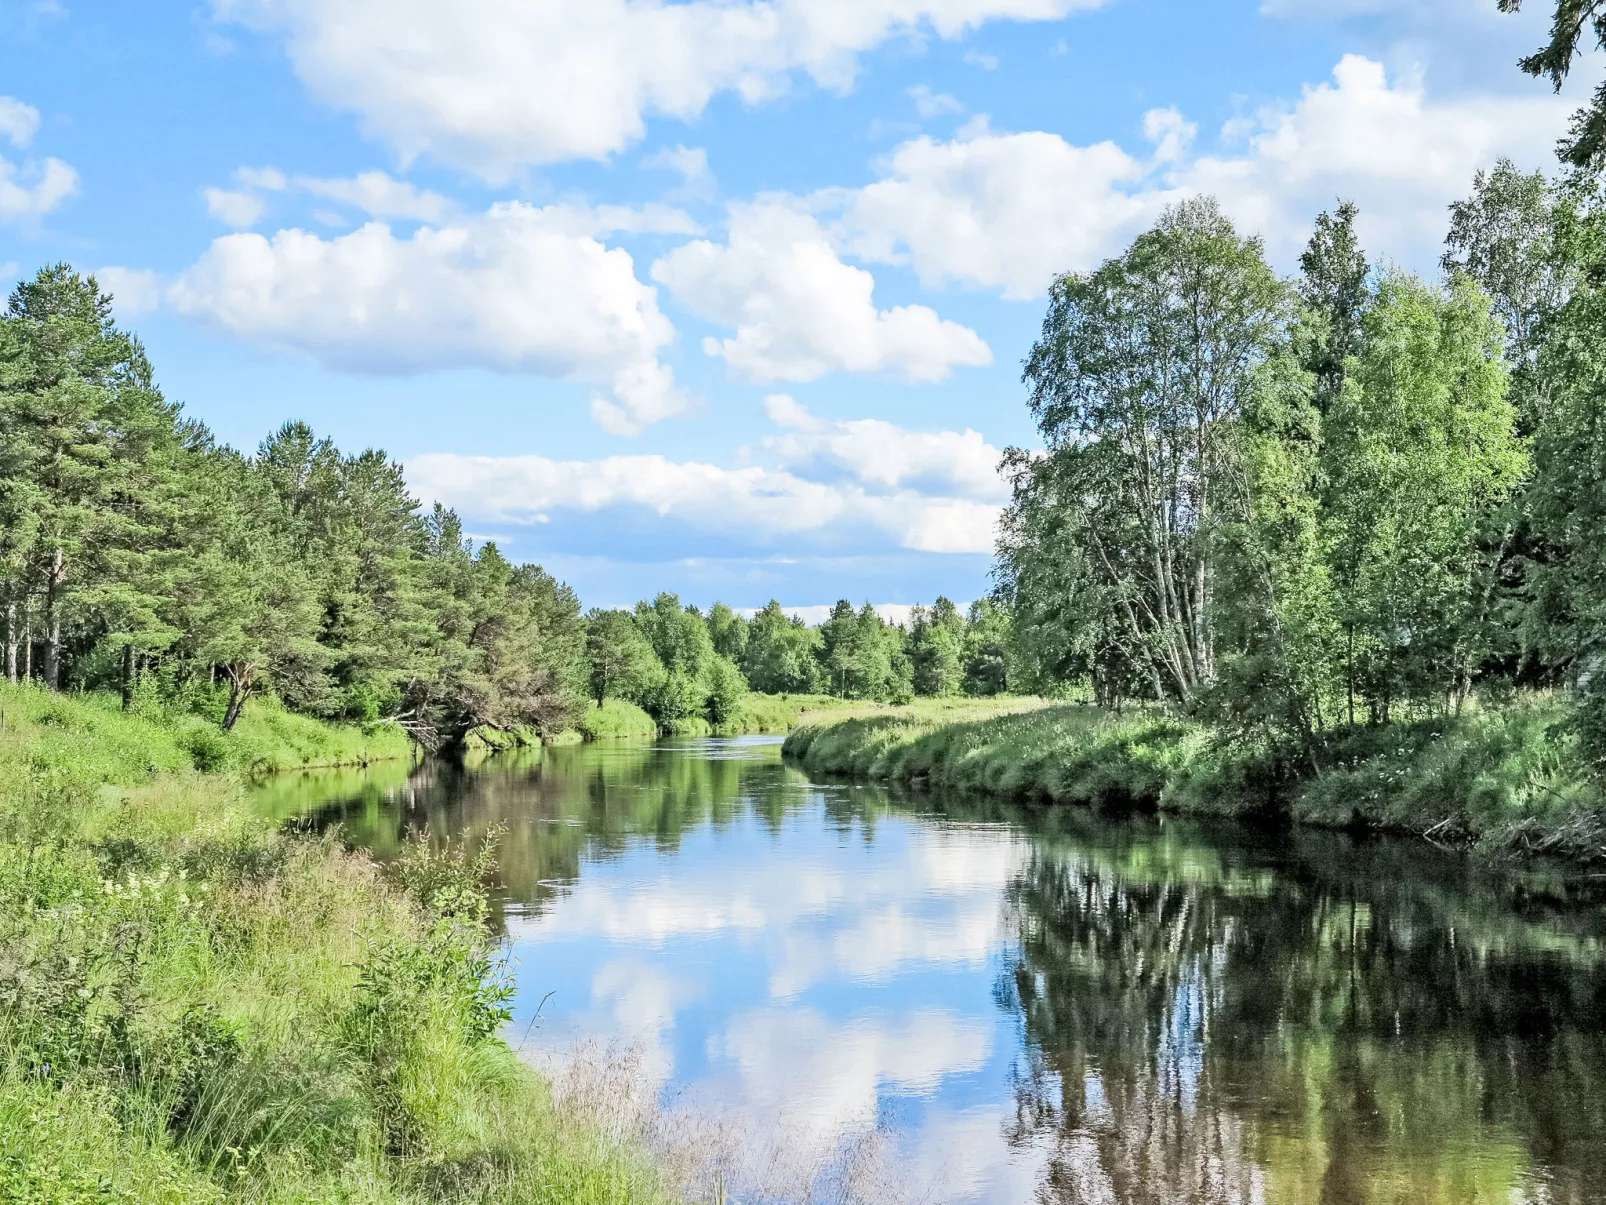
[52, 663]
[128, 676]
[11, 640]
[242, 683]
[1349, 673]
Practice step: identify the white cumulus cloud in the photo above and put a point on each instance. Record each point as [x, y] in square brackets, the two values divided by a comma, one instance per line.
[753, 501]
[493, 85]
[518, 289]
[691, 164]
[799, 311]
[1392, 148]
[18, 122]
[133, 290]
[922, 491]
[1001, 211]
[381, 195]
[238, 209]
[883, 454]
[1008, 211]
[29, 191]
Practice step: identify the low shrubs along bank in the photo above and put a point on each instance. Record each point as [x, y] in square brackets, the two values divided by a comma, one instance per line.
[1500, 778]
[197, 1007]
[755, 713]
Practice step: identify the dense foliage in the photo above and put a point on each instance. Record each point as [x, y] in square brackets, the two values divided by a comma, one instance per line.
[675, 662]
[1352, 497]
[137, 554]
[132, 545]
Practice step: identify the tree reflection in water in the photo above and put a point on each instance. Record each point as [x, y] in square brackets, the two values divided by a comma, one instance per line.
[1309, 1021]
[1207, 1016]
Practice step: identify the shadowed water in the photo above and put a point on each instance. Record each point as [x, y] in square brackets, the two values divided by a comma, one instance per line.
[1036, 1005]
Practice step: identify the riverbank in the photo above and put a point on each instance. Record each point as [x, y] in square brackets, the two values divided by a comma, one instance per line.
[1503, 778]
[197, 1007]
[756, 714]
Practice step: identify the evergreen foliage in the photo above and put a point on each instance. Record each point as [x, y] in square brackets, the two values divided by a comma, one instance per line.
[133, 548]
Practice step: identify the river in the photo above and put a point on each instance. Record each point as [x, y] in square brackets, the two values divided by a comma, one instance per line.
[1034, 1005]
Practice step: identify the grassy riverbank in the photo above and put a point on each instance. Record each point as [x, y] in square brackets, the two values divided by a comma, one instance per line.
[1503, 778]
[195, 1007]
[755, 714]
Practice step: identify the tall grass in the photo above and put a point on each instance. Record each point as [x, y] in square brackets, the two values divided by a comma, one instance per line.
[1501, 778]
[92, 733]
[756, 713]
[616, 718]
[197, 1007]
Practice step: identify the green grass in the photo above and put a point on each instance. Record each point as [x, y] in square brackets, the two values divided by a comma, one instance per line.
[1507, 777]
[93, 731]
[198, 1007]
[760, 713]
[1060, 753]
[615, 718]
[757, 713]
[1499, 778]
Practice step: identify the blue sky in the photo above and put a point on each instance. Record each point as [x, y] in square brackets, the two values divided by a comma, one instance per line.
[725, 297]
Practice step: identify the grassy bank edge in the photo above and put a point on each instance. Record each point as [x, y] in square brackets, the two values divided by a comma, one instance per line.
[756, 715]
[93, 730]
[1504, 778]
[289, 1023]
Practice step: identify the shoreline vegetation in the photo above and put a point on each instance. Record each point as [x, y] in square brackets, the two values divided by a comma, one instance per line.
[1502, 779]
[196, 1006]
[142, 558]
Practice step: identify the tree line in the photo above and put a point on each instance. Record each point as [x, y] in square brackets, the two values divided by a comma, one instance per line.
[674, 661]
[1352, 496]
[138, 554]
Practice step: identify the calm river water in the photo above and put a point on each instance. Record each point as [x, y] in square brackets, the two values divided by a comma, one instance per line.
[1038, 1006]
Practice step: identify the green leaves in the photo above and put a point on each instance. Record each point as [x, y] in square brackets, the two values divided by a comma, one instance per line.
[1143, 369]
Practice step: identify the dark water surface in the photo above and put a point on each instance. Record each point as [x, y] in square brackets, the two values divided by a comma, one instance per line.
[1039, 1005]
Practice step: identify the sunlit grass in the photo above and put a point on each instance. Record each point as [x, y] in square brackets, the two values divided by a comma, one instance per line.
[1505, 777]
[197, 1007]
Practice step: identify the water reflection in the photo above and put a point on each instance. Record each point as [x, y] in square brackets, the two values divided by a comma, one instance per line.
[1046, 1005]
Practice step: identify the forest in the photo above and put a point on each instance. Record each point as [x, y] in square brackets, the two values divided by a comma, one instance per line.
[1288, 507]
[1297, 507]
[139, 555]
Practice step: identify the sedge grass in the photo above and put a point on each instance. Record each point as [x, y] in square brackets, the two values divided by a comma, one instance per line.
[1501, 778]
[198, 1007]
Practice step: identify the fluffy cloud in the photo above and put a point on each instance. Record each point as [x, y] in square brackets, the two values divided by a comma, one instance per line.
[29, 192]
[18, 122]
[1002, 211]
[237, 209]
[752, 502]
[691, 164]
[883, 454]
[933, 104]
[1007, 211]
[519, 289]
[493, 85]
[1399, 154]
[799, 311]
[381, 195]
[133, 290]
[923, 491]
